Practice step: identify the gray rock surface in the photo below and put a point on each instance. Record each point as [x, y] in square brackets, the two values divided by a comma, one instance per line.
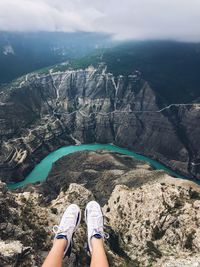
[40, 113]
[152, 218]
[99, 171]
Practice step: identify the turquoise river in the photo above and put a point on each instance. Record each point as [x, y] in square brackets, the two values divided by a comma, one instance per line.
[41, 170]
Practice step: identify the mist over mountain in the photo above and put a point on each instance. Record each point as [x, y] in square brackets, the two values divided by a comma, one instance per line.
[131, 19]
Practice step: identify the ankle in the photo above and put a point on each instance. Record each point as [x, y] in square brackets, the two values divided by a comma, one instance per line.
[61, 243]
[96, 242]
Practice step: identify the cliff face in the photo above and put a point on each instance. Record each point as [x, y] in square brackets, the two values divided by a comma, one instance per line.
[39, 113]
[152, 218]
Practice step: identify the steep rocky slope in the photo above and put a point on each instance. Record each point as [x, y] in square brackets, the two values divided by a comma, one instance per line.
[152, 218]
[39, 113]
[98, 171]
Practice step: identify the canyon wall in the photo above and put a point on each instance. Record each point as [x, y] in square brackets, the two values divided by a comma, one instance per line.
[42, 112]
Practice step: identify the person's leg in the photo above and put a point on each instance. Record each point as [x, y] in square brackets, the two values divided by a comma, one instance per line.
[55, 256]
[63, 236]
[94, 221]
[99, 258]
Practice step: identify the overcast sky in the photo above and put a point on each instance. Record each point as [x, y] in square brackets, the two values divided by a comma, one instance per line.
[135, 19]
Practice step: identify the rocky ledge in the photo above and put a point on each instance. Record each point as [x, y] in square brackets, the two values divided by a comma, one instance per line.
[152, 218]
[42, 112]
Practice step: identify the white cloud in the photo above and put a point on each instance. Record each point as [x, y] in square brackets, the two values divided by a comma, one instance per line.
[138, 19]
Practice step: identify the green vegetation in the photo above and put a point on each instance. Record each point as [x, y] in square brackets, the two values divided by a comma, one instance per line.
[29, 51]
[171, 68]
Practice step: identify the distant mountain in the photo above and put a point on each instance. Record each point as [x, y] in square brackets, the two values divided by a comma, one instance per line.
[22, 53]
[171, 68]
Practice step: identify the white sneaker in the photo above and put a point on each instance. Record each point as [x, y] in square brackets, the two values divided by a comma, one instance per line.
[68, 224]
[94, 221]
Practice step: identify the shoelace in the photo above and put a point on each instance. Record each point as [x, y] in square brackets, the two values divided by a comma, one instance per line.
[60, 229]
[103, 234]
[57, 229]
[98, 230]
